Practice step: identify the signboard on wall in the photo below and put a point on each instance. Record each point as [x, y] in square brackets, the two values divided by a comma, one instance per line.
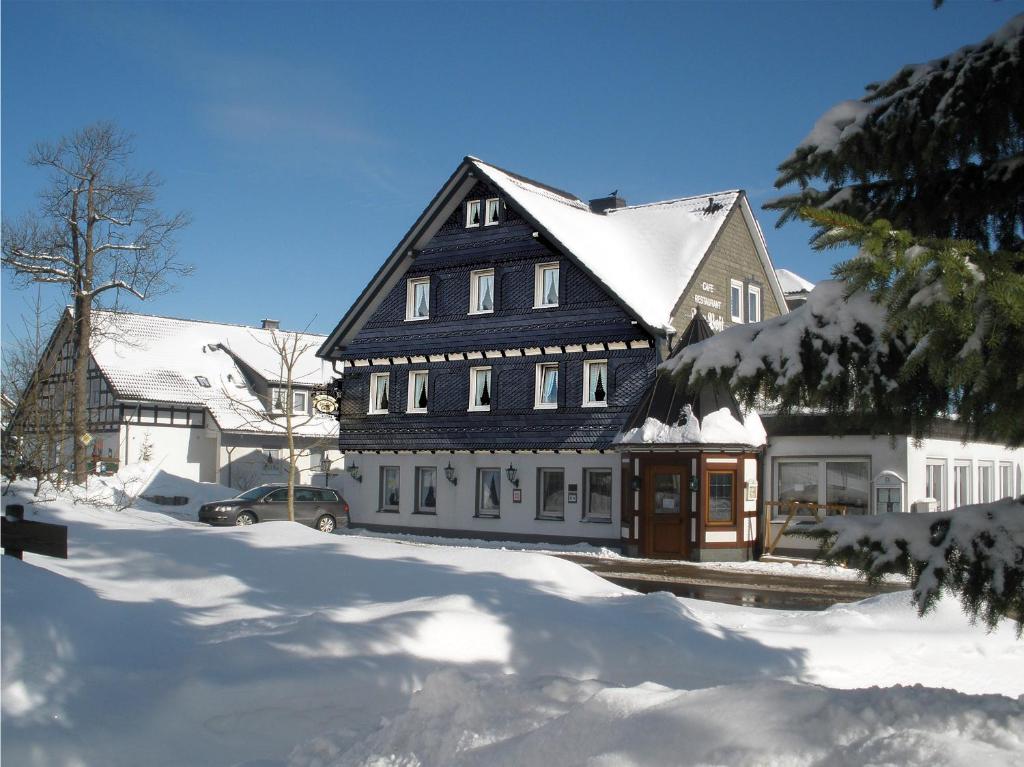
[710, 305]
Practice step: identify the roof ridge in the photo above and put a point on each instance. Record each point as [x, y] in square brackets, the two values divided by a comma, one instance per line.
[199, 322]
[722, 193]
[527, 180]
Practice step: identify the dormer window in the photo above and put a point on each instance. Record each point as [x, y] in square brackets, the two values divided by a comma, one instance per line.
[279, 400]
[481, 291]
[417, 392]
[379, 394]
[545, 286]
[472, 213]
[492, 208]
[417, 299]
[595, 383]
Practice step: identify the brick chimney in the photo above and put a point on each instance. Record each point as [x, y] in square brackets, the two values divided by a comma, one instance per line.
[271, 324]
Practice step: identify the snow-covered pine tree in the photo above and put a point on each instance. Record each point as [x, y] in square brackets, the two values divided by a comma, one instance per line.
[938, 149]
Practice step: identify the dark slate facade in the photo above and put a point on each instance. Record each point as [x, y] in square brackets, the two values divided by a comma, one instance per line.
[587, 316]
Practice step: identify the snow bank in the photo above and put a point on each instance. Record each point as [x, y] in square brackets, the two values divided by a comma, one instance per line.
[163, 642]
[458, 721]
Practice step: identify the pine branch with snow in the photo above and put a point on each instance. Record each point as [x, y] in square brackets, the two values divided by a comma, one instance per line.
[911, 331]
[975, 553]
[937, 149]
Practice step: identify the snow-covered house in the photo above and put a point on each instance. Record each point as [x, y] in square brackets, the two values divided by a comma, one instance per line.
[502, 349]
[795, 287]
[204, 400]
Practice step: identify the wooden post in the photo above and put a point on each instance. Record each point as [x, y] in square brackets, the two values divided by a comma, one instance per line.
[15, 512]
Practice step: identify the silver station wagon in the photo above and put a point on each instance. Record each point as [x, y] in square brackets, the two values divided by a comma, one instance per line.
[319, 507]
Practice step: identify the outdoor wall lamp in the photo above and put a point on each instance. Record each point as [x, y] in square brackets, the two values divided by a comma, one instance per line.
[353, 471]
[511, 472]
[449, 474]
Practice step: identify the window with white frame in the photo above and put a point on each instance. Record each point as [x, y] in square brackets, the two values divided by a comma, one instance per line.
[426, 490]
[389, 488]
[481, 291]
[492, 207]
[417, 299]
[935, 483]
[837, 480]
[479, 388]
[753, 303]
[380, 383]
[595, 383]
[889, 493]
[473, 213]
[1006, 480]
[546, 392]
[279, 397]
[961, 484]
[986, 482]
[417, 391]
[545, 286]
[488, 492]
[736, 300]
[597, 495]
[551, 494]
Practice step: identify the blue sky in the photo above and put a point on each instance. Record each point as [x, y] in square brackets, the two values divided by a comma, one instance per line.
[305, 138]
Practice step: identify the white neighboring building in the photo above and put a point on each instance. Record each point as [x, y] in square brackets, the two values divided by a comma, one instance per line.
[795, 287]
[875, 475]
[203, 400]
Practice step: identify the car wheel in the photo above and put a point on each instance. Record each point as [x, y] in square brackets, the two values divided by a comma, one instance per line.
[245, 518]
[325, 524]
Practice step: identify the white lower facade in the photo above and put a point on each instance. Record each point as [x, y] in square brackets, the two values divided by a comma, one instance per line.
[875, 475]
[581, 501]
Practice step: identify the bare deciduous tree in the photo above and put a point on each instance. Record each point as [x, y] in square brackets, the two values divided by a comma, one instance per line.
[96, 233]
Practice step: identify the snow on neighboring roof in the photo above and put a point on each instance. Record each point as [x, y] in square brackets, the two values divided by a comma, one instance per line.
[645, 255]
[792, 282]
[158, 359]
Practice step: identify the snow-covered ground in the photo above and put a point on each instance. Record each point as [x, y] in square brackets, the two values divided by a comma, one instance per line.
[163, 642]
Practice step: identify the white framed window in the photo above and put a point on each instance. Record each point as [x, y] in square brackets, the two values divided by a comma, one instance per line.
[597, 495]
[834, 480]
[488, 492]
[389, 488]
[417, 299]
[492, 208]
[380, 385]
[753, 303]
[480, 389]
[935, 482]
[986, 482]
[889, 493]
[426, 490]
[736, 300]
[279, 397]
[551, 494]
[545, 286]
[595, 383]
[472, 213]
[546, 390]
[481, 291]
[961, 484]
[1005, 480]
[418, 391]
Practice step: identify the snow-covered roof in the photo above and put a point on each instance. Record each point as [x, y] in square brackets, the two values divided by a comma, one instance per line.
[645, 255]
[792, 282]
[159, 359]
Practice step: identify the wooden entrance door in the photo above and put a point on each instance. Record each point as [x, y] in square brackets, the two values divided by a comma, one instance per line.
[666, 512]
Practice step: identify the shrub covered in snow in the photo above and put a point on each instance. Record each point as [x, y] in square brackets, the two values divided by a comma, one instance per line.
[974, 552]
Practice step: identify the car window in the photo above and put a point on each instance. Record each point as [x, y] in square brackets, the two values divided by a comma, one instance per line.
[328, 495]
[278, 496]
[253, 493]
[305, 495]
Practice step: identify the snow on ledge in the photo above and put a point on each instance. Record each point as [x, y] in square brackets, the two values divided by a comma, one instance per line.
[718, 428]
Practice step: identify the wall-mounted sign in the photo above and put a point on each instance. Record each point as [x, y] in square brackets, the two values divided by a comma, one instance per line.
[325, 403]
[573, 498]
[517, 495]
[709, 305]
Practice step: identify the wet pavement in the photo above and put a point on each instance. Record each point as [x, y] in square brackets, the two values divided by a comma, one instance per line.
[771, 590]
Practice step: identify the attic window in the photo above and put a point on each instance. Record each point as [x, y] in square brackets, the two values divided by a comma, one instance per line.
[493, 206]
[417, 299]
[203, 381]
[545, 286]
[472, 213]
